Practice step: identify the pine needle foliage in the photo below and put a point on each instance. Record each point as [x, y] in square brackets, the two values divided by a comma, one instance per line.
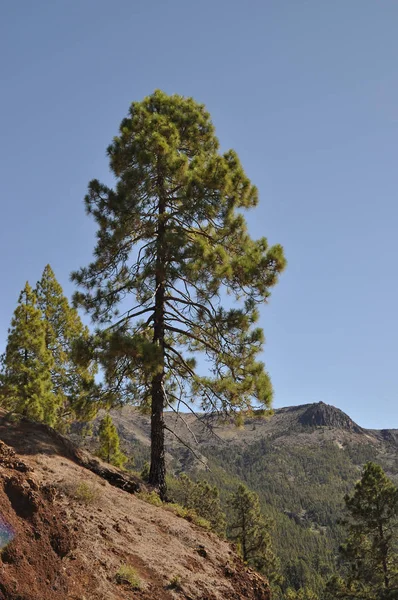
[109, 449]
[72, 383]
[370, 552]
[201, 497]
[27, 362]
[251, 532]
[176, 275]
[302, 594]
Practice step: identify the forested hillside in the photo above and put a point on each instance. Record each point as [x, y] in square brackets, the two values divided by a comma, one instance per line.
[300, 460]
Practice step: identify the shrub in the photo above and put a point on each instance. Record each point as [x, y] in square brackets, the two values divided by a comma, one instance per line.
[150, 498]
[185, 513]
[175, 583]
[145, 472]
[202, 501]
[188, 514]
[82, 491]
[128, 575]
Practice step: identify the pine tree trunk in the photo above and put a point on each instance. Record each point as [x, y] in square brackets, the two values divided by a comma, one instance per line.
[25, 398]
[157, 473]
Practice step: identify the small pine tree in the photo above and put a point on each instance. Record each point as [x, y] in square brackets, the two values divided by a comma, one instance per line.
[203, 498]
[109, 449]
[251, 531]
[370, 552]
[303, 594]
[27, 363]
[72, 382]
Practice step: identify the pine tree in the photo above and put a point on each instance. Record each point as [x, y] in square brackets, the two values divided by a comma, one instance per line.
[27, 363]
[201, 497]
[72, 382]
[370, 552]
[302, 594]
[251, 531]
[109, 449]
[174, 254]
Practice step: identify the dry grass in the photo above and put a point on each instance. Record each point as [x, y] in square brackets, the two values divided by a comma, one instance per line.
[128, 575]
[85, 492]
[180, 511]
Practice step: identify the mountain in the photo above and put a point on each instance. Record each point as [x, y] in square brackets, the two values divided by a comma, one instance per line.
[68, 531]
[301, 460]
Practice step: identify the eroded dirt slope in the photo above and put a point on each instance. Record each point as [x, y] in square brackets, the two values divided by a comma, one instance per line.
[74, 529]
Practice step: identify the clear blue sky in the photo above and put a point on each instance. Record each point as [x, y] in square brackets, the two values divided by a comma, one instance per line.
[305, 91]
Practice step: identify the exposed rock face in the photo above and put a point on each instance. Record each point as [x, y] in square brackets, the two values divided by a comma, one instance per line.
[325, 415]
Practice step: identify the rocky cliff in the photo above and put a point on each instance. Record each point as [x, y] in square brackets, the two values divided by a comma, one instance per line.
[325, 415]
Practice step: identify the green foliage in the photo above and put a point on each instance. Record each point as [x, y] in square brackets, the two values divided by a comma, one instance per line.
[72, 383]
[300, 489]
[150, 497]
[201, 497]
[188, 514]
[40, 377]
[128, 575]
[370, 552]
[109, 449]
[85, 492]
[144, 474]
[26, 365]
[302, 594]
[171, 240]
[251, 531]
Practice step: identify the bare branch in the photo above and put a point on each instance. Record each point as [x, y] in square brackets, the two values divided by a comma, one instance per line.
[187, 446]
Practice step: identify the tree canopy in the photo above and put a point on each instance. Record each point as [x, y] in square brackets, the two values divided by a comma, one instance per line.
[251, 531]
[176, 275]
[109, 448]
[26, 381]
[72, 383]
[40, 375]
[370, 552]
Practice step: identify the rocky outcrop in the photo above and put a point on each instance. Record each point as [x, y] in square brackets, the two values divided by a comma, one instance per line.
[325, 415]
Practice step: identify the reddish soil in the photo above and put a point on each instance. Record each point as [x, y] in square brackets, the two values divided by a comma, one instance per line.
[73, 529]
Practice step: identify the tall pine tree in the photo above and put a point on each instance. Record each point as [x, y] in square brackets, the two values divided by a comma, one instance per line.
[27, 363]
[72, 382]
[174, 257]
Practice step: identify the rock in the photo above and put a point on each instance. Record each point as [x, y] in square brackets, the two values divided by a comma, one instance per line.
[325, 415]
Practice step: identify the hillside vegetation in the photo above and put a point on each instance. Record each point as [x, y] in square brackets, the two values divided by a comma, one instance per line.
[301, 461]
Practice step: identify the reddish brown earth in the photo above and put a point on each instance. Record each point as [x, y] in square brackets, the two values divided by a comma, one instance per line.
[70, 545]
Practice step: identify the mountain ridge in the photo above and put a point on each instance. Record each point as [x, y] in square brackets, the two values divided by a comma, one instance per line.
[310, 423]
